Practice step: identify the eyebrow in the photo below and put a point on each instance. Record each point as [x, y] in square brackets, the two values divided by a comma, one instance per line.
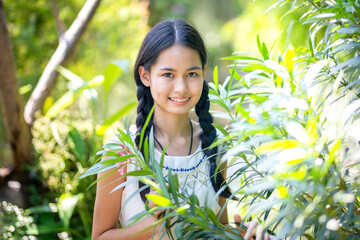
[173, 70]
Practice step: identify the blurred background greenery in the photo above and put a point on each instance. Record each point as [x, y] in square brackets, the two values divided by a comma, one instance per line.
[96, 89]
[118, 28]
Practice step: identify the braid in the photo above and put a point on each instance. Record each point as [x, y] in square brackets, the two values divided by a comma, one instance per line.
[143, 109]
[207, 137]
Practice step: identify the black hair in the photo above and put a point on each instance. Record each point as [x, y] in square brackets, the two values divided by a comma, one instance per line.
[162, 36]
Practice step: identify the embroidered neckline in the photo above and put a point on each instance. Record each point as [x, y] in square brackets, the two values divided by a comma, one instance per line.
[180, 169]
[185, 169]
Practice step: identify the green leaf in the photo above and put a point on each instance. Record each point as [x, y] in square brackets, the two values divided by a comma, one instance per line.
[292, 9]
[146, 150]
[313, 72]
[265, 51]
[48, 228]
[351, 62]
[160, 177]
[70, 75]
[163, 156]
[239, 78]
[245, 114]
[278, 145]
[348, 30]
[100, 129]
[324, 15]
[351, 85]
[145, 126]
[123, 64]
[25, 89]
[68, 98]
[129, 199]
[77, 145]
[216, 78]
[231, 79]
[124, 184]
[212, 216]
[104, 176]
[66, 206]
[350, 112]
[159, 200]
[311, 46]
[258, 43]
[112, 73]
[125, 137]
[173, 186]
[183, 209]
[98, 167]
[139, 173]
[221, 103]
[151, 145]
[117, 159]
[347, 47]
[149, 182]
[221, 129]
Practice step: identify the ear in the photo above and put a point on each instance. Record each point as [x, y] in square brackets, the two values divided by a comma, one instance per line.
[144, 76]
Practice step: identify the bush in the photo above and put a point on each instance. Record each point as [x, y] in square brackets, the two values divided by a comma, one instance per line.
[294, 130]
[65, 148]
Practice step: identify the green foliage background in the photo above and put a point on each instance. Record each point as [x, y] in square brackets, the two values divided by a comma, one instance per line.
[284, 101]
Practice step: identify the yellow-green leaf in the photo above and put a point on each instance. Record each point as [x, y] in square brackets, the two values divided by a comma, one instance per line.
[183, 209]
[216, 81]
[159, 200]
[277, 145]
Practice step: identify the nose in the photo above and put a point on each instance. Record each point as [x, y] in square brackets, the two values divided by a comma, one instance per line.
[181, 85]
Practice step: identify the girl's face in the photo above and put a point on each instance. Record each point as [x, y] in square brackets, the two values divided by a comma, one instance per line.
[175, 80]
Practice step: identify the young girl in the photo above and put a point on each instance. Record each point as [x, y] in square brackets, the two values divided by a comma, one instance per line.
[170, 74]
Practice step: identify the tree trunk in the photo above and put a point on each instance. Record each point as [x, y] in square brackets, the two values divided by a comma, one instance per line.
[17, 131]
[62, 53]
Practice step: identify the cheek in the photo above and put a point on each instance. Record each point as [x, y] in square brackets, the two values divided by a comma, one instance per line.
[197, 90]
[197, 87]
[158, 92]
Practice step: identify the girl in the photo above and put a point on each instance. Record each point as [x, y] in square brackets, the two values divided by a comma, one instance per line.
[170, 73]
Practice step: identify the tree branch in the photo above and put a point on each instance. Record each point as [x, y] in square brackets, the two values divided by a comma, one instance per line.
[60, 24]
[62, 53]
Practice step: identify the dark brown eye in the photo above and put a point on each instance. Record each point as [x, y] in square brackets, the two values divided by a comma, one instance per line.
[168, 75]
[192, 74]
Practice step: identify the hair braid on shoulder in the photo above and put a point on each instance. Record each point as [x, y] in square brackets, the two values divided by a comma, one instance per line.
[208, 134]
[145, 103]
[143, 109]
[207, 137]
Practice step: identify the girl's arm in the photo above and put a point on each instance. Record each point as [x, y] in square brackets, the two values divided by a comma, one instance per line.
[107, 210]
[222, 201]
[224, 216]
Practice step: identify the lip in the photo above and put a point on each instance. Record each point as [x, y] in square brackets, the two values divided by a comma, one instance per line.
[179, 100]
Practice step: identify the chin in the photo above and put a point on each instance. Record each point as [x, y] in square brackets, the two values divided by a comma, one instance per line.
[181, 111]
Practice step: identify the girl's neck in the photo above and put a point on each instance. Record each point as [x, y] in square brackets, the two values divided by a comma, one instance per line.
[172, 126]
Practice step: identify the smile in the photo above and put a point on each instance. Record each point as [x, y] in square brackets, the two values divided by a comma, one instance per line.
[180, 100]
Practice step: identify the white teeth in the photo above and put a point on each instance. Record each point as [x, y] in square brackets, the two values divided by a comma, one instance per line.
[179, 100]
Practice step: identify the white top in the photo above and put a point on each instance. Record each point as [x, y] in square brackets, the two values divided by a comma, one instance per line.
[193, 176]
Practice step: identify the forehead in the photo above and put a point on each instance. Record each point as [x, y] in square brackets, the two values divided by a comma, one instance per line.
[177, 57]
